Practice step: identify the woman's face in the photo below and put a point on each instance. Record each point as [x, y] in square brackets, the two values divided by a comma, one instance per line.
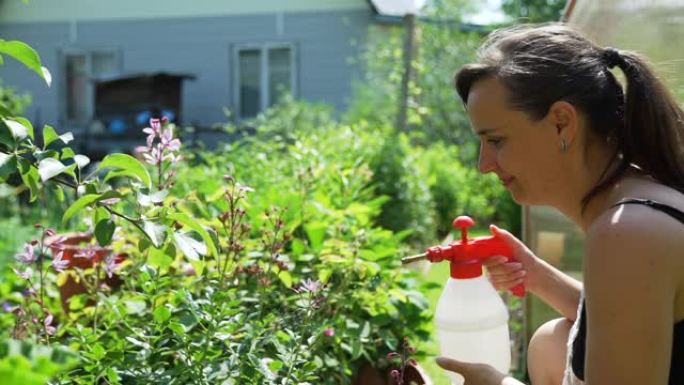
[524, 154]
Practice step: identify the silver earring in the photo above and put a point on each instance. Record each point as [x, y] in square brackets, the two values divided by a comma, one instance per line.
[564, 145]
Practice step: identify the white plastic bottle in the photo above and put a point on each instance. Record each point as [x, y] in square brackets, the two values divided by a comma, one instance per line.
[472, 324]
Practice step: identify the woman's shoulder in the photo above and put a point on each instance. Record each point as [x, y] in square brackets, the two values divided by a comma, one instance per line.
[639, 243]
[644, 226]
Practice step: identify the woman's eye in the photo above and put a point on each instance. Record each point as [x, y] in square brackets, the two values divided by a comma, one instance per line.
[494, 142]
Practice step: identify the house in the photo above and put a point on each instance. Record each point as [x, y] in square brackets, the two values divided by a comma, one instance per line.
[235, 54]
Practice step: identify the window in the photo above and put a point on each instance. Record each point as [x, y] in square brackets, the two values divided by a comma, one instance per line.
[263, 75]
[81, 68]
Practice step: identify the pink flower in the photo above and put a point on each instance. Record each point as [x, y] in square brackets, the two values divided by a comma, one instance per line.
[152, 131]
[329, 332]
[50, 330]
[110, 201]
[110, 265]
[168, 142]
[58, 263]
[155, 124]
[87, 252]
[28, 256]
[310, 286]
[26, 274]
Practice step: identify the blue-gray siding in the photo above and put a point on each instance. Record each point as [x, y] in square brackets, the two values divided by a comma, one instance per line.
[199, 46]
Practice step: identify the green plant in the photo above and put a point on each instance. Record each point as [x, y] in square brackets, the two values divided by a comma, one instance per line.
[396, 175]
[285, 282]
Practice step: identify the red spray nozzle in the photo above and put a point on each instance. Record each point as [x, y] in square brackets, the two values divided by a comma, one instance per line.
[466, 256]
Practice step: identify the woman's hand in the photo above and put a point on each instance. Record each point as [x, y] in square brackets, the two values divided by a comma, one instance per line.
[476, 374]
[505, 275]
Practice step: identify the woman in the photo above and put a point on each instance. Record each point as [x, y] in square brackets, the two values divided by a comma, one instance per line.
[557, 128]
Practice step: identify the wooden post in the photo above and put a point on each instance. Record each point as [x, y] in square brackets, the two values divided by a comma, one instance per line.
[409, 44]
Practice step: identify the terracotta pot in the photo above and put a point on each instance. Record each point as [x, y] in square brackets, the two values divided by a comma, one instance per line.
[368, 375]
[71, 244]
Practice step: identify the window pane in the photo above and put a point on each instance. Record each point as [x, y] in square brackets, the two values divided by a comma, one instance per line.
[76, 87]
[250, 82]
[280, 74]
[104, 63]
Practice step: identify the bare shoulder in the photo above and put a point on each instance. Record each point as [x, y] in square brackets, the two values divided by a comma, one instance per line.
[638, 230]
[638, 244]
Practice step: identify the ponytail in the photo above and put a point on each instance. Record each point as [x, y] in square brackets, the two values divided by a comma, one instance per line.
[652, 133]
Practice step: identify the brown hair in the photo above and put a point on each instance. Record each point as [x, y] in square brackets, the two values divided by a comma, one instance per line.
[539, 65]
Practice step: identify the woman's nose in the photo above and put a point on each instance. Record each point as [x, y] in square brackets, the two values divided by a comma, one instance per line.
[487, 159]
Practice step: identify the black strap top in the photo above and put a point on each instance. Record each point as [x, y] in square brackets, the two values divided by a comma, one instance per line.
[677, 359]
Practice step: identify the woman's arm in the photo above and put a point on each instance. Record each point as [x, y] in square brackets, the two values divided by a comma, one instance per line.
[630, 289]
[557, 289]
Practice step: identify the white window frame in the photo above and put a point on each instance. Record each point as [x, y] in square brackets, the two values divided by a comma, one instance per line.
[264, 49]
[90, 89]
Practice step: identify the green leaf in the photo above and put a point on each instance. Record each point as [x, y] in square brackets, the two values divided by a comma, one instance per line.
[67, 153]
[193, 224]
[152, 199]
[30, 177]
[162, 314]
[100, 214]
[135, 306]
[47, 76]
[315, 231]
[324, 275]
[98, 352]
[104, 230]
[26, 123]
[275, 365]
[49, 135]
[80, 203]
[49, 168]
[77, 302]
[66, 137]
[189, 246]
[156, 233]
[24, 54]
[112, 376]
[87, 200]
[159, 259]
[81, 161]
[298, 247]
[8, 165]
[285, 278]
[18, 130]
[6, 136]
[128, 166]
[178, 328]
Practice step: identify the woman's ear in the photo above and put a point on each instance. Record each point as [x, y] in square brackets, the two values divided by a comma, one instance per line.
[564, 117]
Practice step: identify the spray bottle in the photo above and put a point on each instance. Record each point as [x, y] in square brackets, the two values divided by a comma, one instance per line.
[471, 318]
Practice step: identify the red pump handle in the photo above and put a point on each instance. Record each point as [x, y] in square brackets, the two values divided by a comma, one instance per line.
[466, 255]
